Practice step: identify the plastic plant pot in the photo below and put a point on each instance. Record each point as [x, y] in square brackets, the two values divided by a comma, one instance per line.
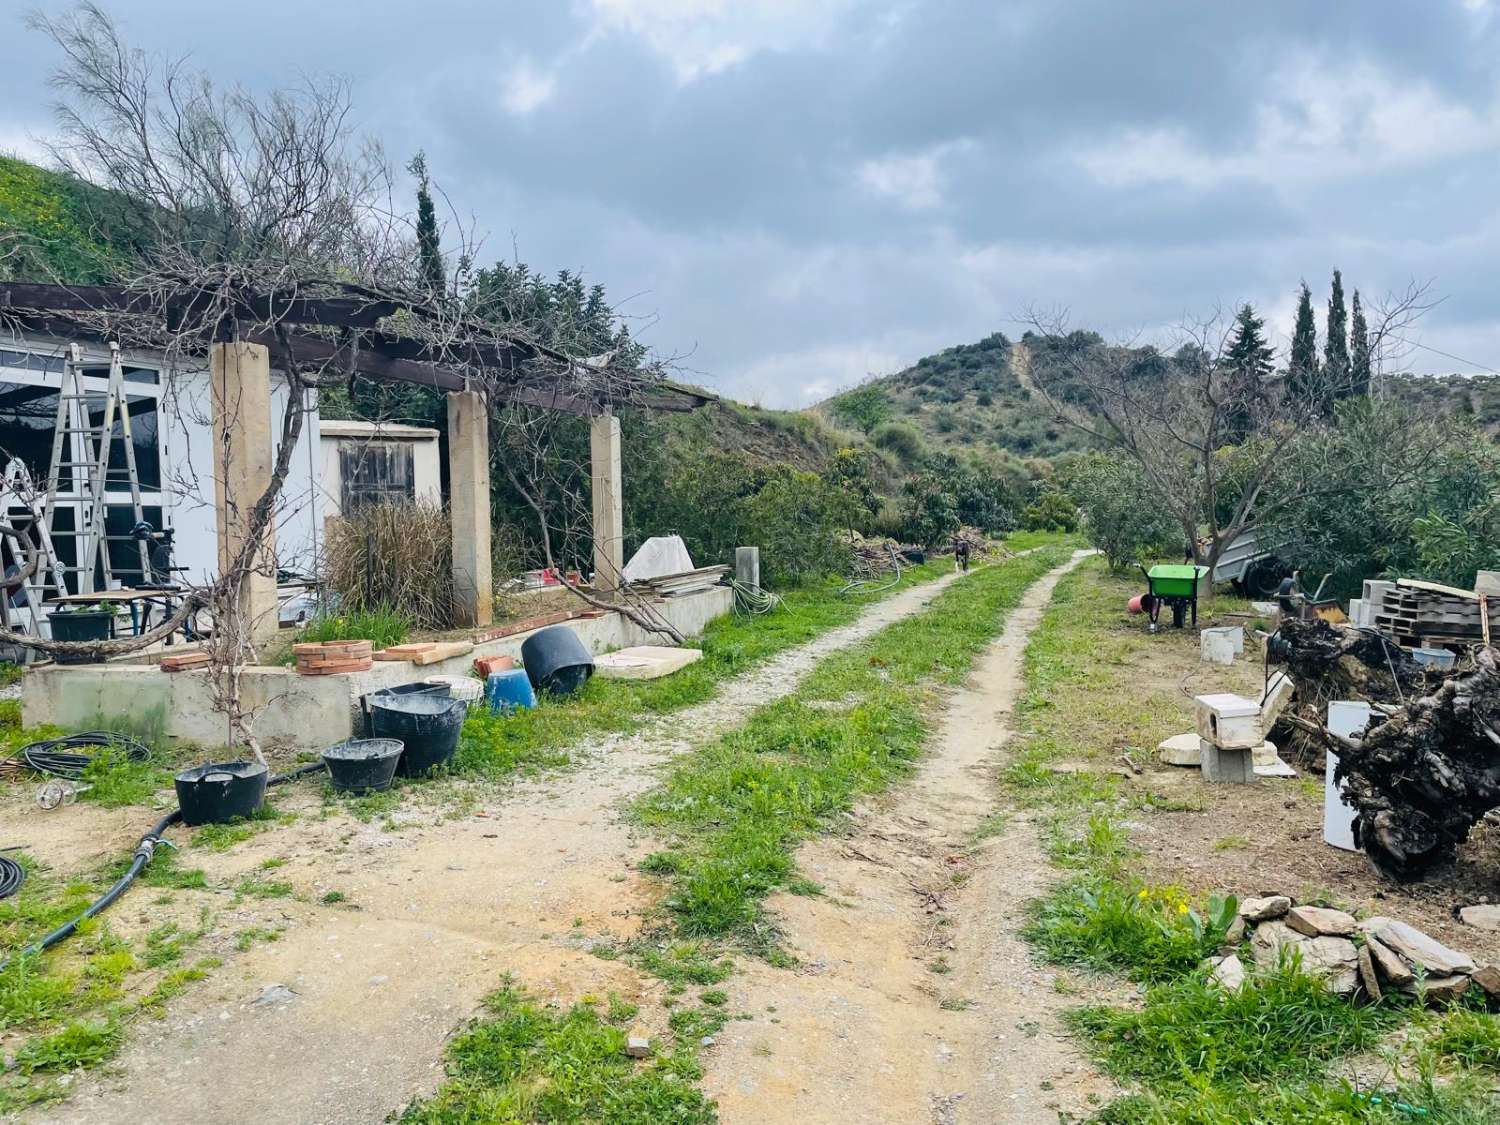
[221, 791]
[81, 625]
[427, 725]
[556, 661]
[363, 765]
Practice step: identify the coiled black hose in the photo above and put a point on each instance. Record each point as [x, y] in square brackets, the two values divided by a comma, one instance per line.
[12, 875]
[144, 851]
[52, 756]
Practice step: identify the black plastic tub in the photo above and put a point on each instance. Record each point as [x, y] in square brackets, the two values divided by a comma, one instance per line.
[221, 791]
[363, 765]
[427, 725]
[556, 661]
[80, 625]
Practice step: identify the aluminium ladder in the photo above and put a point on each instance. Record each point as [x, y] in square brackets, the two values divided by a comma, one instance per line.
[79, 444]
[27, 542]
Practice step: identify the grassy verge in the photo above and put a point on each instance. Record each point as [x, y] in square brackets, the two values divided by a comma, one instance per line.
[734, 812]
[1189, 1051]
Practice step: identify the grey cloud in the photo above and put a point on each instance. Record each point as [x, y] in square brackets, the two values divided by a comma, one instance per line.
[735, 206]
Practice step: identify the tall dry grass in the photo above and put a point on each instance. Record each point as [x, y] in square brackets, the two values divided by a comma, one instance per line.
[394, 558]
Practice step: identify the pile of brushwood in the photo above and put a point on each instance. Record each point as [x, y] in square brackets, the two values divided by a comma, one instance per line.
[1427, 769]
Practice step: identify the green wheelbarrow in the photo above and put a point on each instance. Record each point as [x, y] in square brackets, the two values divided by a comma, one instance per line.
[1172, 585]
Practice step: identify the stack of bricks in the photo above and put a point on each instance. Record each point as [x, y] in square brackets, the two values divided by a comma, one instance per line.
[329, 658]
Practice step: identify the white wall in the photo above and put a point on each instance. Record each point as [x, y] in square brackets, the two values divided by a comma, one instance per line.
[188, 463]
[426, 458]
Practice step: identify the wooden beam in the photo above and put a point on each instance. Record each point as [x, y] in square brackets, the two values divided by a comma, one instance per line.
[181, 308]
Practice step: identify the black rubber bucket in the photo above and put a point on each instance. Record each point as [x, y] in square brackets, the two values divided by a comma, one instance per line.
[221, 791]
[426, 724]
[556, 661]
[85, 625]
[362, 765]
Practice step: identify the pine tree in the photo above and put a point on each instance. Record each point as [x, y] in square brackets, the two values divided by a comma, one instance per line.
[1249, 362]
[429, 244]
[1336, 346]
[1359, 350]
[1302, 365]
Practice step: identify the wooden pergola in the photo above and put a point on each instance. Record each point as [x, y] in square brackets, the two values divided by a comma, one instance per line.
[364, 333]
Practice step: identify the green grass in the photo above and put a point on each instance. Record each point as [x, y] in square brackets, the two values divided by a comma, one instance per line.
[523, 1061]
[738, 808]
[10, 673]
[381, 627]
[71, 1006]
[498, 746]
[1281, 1025]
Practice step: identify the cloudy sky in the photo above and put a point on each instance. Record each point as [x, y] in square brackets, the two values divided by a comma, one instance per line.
[803, 192]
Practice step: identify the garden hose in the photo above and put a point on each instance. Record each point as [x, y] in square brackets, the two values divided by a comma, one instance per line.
[144, 851]
[59, 757]
[12, 875]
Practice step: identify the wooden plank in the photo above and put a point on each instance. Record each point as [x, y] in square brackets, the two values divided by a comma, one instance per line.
[1435, 588]
[445, 651]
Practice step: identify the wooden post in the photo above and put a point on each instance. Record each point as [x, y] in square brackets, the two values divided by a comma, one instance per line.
[609, 503]
[469, 507]
[240, 382]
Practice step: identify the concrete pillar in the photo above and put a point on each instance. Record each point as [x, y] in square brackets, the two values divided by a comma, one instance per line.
[609, 502]
[747, 566]
[240, 382]
[469, 507]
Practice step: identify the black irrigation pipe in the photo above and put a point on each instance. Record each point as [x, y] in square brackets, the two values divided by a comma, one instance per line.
[144, 851]
[54, 756]
[12, 875]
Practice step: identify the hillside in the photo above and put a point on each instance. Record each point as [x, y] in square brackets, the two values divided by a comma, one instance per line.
[56, 227]
[972, 395]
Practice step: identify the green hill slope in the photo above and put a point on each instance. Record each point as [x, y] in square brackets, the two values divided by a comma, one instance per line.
[969, 396]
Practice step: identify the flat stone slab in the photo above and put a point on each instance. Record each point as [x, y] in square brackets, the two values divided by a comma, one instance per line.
[1180, 750]
[1316, 920]
[1485, 916]
[1264, 909]
[1427, 952]
[1391, 967]
[645, 662]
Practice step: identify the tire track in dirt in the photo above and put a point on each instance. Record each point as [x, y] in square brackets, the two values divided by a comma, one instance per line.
[865, 1030]
[438, 912]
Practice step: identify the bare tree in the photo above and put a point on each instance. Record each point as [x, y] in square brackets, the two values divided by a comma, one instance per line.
[1209, 442]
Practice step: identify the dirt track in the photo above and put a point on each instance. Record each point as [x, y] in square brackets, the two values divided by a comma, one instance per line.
[862, 1032]
[435, 915]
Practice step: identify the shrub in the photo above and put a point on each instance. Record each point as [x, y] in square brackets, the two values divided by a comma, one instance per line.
[901, 439]
[865, 407]
[1120, 516]
[1051, 511]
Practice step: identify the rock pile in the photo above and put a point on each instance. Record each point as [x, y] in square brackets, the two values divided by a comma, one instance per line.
[1369, 956]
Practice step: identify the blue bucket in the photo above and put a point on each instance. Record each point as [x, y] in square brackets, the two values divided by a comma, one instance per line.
[509, 690]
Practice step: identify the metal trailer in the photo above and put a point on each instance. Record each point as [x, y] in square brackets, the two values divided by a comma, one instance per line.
[1251, 565]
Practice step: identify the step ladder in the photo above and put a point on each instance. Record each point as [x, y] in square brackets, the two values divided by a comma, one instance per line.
[23, 510]
[82, 448]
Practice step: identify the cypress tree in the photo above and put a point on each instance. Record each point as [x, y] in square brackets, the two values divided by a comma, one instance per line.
[429, 244]
[1302, 365]
[1359, 350]
[1336, 346]
[1249, 361]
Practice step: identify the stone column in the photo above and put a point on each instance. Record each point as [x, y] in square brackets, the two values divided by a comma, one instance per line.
[609, 503]
[747, 566]
[469, 507]
[240, 386]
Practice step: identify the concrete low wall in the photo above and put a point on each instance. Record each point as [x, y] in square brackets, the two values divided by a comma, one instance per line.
[292, 711]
